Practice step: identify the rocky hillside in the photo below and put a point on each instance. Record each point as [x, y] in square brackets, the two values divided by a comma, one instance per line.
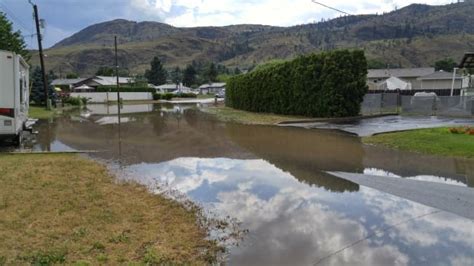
[416, 35]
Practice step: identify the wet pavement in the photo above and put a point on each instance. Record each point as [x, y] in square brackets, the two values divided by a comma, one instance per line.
[373, 126]
[274, 181]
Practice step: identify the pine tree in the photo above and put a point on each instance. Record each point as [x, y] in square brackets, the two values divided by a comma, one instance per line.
[176, 76]
[38, 96]
[11, 41]
[157, 74]
[189, 76]
[211, 73]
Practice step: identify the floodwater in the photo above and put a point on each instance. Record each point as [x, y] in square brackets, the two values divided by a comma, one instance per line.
[273, 181]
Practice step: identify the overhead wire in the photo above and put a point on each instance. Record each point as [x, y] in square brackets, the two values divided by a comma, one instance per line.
[332, 8]
[15, 18]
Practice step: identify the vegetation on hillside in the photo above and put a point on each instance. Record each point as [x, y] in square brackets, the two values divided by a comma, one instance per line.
[330, 84]
[436, 141]
[418, 35]
[62, 209]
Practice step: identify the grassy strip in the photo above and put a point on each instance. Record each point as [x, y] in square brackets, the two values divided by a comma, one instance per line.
[228, 114]
[66, 209]
[39, 112]
[436, 141]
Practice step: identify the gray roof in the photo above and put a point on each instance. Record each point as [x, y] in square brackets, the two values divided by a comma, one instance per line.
[440, 75]
[212, 85]
[400, 72]
[108, 81]
[171, 87]
[63, 82]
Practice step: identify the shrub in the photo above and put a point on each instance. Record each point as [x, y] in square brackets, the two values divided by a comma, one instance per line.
[330, 84]
[167, 96]
[156, 96]
[186, 95]
[76, 101]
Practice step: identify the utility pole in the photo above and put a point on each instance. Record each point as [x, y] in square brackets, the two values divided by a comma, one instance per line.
[40, 48]
[118, 103]
[117, 74]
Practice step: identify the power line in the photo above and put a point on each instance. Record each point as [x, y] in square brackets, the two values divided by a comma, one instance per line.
[330, 7]
[15, 18]
[382, 230]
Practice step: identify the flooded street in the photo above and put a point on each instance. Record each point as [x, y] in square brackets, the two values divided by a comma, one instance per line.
[274, 181]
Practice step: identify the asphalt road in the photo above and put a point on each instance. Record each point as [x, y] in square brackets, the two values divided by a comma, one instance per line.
[454, 199]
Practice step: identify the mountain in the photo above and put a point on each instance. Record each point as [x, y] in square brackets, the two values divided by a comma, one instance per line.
[417, 35]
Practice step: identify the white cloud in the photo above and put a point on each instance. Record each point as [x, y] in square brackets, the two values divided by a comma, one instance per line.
[190, 13]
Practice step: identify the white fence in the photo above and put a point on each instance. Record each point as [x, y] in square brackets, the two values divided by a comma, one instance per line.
[104, 97]
[456, 106]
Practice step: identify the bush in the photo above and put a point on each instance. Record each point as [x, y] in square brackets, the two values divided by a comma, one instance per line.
[167, 96]
[76, 101]
[330, 84]
[156, 96]
[186, 95]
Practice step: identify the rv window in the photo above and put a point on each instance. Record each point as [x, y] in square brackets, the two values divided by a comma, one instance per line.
[21, 90]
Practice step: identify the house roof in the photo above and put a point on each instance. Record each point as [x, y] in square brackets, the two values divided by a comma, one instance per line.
[212, 85]
[400, 72]
[171, 87]
[108, 81]
[467, 61]
[440, 75]
[63, 82]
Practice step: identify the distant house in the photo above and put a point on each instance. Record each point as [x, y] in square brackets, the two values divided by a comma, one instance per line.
[441, 80]
[173, 88]
[93, 83]
[376, 77]
[66, 85]
[212, 88]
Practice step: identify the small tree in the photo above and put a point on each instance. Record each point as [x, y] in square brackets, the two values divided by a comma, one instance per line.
[157, 74]
[38, 95]
[446, 64]
[211, 73]
[189, 76]
[176, 76]
[72, 76]
[11, 41]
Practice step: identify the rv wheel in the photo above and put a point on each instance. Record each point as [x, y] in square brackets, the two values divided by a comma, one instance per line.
[18, 139]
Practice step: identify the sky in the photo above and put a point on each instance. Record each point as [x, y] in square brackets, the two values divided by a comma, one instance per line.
[66, 17]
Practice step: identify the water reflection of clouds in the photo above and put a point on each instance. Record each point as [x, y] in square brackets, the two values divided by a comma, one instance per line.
[293, 223]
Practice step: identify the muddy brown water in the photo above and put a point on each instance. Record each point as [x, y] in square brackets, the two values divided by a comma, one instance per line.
[273, 180]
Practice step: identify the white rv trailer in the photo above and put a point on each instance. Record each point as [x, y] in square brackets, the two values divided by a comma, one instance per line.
[14, 95]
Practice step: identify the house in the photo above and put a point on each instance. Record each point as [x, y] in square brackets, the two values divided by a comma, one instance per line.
[173, 88]
[375, 77]
[93, 83]
[212, 88]
[441, 80]
[98, 81]
[66, 85]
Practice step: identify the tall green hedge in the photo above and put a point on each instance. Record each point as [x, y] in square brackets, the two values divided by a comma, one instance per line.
[330, 84]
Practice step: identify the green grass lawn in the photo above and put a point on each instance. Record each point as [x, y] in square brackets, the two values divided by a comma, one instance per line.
[228, 114]
[39, 112]
[436, 141]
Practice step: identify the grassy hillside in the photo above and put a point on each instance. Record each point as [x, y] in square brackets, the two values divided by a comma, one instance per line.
[417, 35]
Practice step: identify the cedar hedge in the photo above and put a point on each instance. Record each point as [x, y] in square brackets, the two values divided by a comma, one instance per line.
[329, 84]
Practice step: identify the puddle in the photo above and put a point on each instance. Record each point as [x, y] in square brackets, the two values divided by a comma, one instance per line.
[272, 180]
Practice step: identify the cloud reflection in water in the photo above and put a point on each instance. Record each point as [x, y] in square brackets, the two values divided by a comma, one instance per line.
[292, 223]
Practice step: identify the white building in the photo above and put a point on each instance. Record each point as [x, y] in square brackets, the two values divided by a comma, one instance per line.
[173, 88]
[212, 88]
[376, 77]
